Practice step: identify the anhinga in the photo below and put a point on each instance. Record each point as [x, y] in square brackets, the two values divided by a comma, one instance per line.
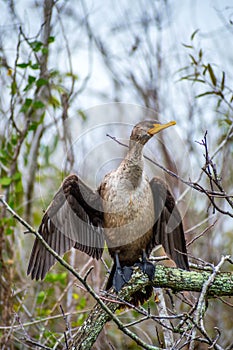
[127, 211]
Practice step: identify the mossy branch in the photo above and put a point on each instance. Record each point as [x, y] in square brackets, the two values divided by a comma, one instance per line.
[165, 277]
[210, 284]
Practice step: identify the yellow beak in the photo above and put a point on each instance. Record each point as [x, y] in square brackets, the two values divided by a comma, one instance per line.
[158, 127]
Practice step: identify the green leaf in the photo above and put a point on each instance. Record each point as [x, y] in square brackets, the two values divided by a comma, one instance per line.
[200, 54]
[5, 181]
[182, 69]
[55, 143]
[13, 88]
[46, 155]
[31, 79]
[227, 120]
[81, 303]
[23, 65]
[73, 76]
[54, 101]
[54, 73]
[200, 80]
[80, 320]
[9, 148]
[223, 81]
[36, 45]
[33, 126]
[75, 296]
[187, 46]
[17, 176]
[56, 277]
[27, 87]
[190, 77]
[219, 103]
[19, 187]
[38, 104]
[40, 297]
[27, 104]
[194, 34]
[193, 59]
[40, 82]
[212, 75]
[9, 231]
[4, 160]
[14, 139]
[205, 69]
[206, 93]
[82, 114]
[7, 221]
[45, 51]
[51, 39]
[35, 66]
[3, 153]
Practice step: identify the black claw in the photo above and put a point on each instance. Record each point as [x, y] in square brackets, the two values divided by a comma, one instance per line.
[121, 277]
[146, 267]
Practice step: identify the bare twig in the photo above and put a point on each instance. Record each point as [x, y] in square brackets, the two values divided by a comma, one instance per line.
[163, 313]
[213, 285]
[42, 320]
[120, 325]
[201, 234]
[200, 309]
[67, 327]
[191, 184]
[210, 170]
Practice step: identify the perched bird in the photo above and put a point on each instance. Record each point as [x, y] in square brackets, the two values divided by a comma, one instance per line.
[129, 212]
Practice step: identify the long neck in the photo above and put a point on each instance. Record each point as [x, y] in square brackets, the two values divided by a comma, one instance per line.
[132, 166]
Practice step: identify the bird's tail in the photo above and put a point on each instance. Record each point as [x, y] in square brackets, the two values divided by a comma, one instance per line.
[138, 297]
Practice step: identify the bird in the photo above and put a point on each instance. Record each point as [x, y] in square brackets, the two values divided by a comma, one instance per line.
[129, 212]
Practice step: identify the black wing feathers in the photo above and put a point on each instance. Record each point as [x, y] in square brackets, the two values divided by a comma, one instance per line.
[168, 228]
[73, 219]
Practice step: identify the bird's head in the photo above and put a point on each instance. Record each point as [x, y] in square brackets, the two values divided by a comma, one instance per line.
[143, 131]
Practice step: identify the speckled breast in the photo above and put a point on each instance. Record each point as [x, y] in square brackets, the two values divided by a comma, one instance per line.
[128, 210]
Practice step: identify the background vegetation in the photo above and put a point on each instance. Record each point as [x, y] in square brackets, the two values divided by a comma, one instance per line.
[58, 59]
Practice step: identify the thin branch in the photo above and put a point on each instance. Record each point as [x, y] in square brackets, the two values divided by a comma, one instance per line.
[200, 309]
[163, 313]
[67, 327]
[46, 319]
[213, 176]
[207, 219]
[211, 285]
[201, 234]
[191, 184]
[108, 311]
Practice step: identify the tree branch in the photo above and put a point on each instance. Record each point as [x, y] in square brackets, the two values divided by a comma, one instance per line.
[215, 284]
[191, 184]
[103, 305]
[173, 278]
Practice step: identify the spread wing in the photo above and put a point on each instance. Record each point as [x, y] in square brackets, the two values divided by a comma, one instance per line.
[168, 228]
[73, 219]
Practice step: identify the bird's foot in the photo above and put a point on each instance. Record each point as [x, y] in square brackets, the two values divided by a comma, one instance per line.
[146, 266]
[121, 277]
